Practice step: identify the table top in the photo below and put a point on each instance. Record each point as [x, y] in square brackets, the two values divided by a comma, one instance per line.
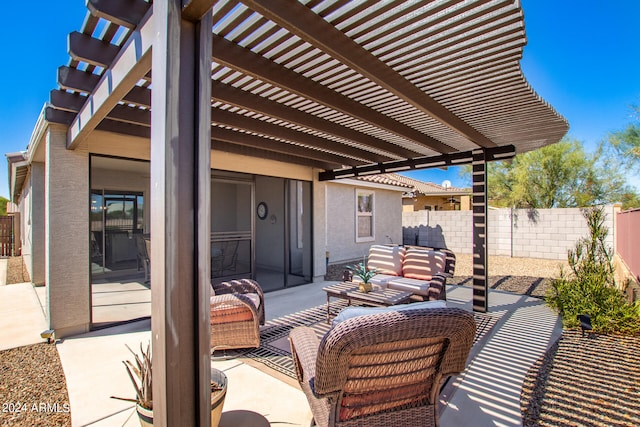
[379, 295]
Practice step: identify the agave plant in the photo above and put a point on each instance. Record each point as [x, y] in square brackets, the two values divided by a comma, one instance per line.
[362, 271]
[140, 375]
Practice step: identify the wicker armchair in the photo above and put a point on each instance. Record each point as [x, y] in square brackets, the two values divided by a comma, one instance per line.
[382, 369]
[237, 311]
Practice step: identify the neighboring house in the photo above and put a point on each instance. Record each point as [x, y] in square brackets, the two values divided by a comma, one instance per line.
[420, 195]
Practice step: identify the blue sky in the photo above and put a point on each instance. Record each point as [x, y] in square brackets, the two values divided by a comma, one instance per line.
[583, 57]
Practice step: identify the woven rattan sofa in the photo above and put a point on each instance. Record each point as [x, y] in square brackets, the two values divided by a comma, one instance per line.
[420, 270]
[237, 311]
[383, 369]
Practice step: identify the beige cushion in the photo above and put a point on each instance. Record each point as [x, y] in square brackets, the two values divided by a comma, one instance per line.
[354, 311]
[386, 259]
[378, 279]
[415, 286]
[422, 264]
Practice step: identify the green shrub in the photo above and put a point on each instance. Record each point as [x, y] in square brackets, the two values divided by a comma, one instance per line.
[590, 287]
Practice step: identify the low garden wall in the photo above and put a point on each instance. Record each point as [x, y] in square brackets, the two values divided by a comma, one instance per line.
[526, 233]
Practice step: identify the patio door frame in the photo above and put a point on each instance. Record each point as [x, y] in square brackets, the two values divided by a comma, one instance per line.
[237, 235]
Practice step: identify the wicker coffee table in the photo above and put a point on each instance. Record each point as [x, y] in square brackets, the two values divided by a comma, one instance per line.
[378, 297]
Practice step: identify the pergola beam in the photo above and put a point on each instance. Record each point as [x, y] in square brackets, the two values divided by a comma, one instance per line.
[66, 101]
[131, 64]
[248, 62]
[254, 141]
[82, 47]
[126, 13]
[302, 21]
[427, 162]
[262, 127]
[138, 95]
[76, 80]
[193, 10]
[243, 99]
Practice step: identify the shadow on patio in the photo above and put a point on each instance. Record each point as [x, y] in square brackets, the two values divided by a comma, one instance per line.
[520, 329]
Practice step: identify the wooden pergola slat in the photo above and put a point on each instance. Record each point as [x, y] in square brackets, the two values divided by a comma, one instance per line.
[238, 58]
[247, 100]
[133, 62]
[82, 47]
[126, 13]
[249, 124]
[76, 80]
[301, 21]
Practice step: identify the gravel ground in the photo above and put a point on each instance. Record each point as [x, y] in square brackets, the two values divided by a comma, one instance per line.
[581, 381]
[33, 390]
[16, 271]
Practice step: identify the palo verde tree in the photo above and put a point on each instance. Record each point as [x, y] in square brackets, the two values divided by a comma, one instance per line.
[627, 142]
[560, 175]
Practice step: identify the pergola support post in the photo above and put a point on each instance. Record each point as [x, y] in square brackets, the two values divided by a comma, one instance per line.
[480, 214]
[180, 217]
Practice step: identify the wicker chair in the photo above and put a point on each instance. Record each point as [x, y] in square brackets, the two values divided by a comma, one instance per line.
[382, 369]
[237, 311]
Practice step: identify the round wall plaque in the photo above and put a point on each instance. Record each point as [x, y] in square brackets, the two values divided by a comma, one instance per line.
[262, 210]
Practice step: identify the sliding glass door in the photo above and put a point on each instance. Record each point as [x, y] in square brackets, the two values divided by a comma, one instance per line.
[231, 229]
[116, 217]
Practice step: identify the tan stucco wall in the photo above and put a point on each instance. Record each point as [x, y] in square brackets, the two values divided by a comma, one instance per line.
[34, 223]
[341, 222]
[111, 144]
[66, 231]
[107, 143]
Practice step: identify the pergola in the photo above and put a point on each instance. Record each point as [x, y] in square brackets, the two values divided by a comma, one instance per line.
[350, 88]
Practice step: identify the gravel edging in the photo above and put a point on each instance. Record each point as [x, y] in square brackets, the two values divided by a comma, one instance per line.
[33, 390]
[584, 381]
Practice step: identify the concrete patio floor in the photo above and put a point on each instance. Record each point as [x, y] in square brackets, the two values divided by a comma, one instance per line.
[486, 394]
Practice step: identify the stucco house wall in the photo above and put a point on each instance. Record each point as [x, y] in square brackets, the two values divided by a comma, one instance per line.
[341, 219]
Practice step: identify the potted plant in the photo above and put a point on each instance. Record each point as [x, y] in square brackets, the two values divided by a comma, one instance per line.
[140, 374]
[365, 273]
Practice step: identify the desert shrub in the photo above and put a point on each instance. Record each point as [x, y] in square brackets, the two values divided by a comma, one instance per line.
[590, 288]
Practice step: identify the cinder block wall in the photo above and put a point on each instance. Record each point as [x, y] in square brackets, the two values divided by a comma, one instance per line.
[525, 233]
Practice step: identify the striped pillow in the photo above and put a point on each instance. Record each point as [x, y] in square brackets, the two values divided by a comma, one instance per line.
[422, 264]
[386, 259]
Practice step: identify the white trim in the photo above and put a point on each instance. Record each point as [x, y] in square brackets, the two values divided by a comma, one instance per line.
[372, 214]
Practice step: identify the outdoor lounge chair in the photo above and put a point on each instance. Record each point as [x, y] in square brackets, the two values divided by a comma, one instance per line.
[237, 311]
[383, 369]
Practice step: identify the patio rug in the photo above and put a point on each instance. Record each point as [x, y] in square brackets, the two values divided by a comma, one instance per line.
[274, 351]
